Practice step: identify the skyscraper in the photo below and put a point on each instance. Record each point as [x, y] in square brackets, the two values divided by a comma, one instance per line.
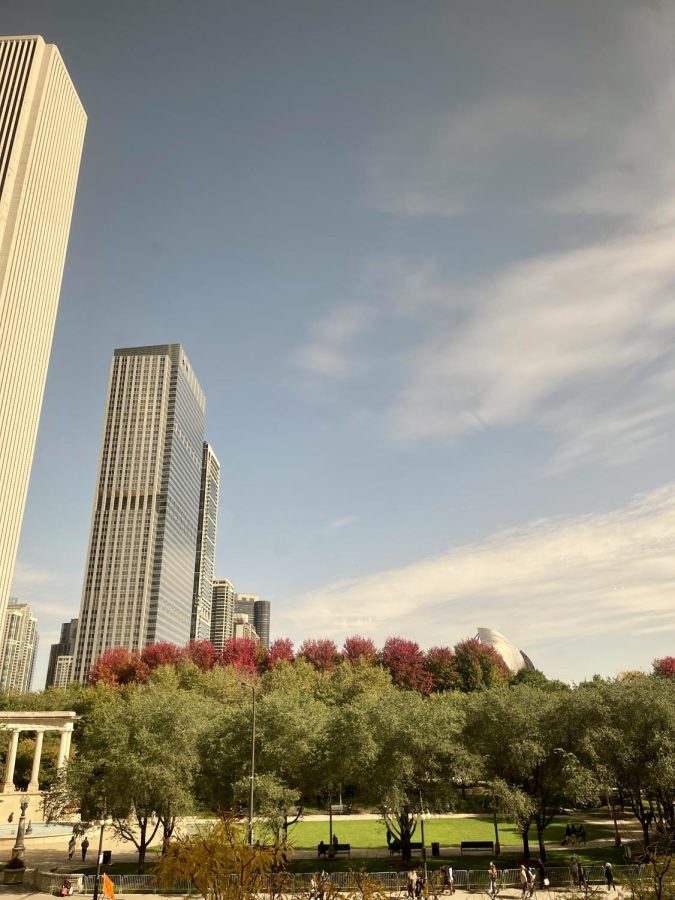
[19, 646]
[42, 126]
[258, 612]
[65, 649]
[206, 546]
[139, 576]
[222, 612]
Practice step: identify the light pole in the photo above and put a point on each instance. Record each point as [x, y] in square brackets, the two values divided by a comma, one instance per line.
[423, 816]
[103, 820]
[250, 801]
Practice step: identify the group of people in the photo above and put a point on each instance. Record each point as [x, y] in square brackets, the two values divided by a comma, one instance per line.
[72, 844]
[415, 883]
[327, 849]
[528, 879]
[574, 835]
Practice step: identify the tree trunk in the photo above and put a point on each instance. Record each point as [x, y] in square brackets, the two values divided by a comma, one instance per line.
[542, 845]
[405, 828]
[498, 848]
[612, 809]
[526, 841]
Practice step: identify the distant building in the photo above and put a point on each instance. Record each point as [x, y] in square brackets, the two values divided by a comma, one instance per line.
[200, 628]
[514, 658]
[42, 124]
[65, 648]
[19, 646]
[258, 612]
[139, 577]
[222, 612]
[244, 629]
[63, 671]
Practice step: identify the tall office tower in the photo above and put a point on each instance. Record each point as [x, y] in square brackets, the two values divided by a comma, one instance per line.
[222, 612]
[42, 125]
[258, 612]
[65, 647]
[139, 576]
[244, 629]
[206, 546]
[19, 646]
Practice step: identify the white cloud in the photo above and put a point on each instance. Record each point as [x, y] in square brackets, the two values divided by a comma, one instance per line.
[601, 577]
[342, 522]
[327, 352]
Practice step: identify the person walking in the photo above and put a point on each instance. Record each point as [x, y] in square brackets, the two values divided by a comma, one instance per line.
[84, 846]
[412, 883]
[522, 878]
[492, 875]
[609, 877]
[71, 846]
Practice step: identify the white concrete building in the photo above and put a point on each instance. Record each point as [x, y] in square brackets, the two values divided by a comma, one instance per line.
[42, 124]
[18, 649]
[206, 546]
[514, 658]
[222, 612]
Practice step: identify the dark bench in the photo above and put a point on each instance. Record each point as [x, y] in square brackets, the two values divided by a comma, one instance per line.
[330, 850]
[395, 846]
[476, 847]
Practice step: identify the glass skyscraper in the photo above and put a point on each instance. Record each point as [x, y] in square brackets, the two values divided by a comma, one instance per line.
[206, 546]
[139, 577]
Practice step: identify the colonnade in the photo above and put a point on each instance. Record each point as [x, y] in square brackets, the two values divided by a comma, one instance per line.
[37, 723]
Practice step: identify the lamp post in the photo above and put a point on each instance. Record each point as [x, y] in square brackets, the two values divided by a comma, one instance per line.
[103, 820]
[423, 816]
[250, 800]
[19, 847]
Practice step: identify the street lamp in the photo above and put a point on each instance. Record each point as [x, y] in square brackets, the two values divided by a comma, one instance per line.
[423, 815]
[103, 820]
[250, 800]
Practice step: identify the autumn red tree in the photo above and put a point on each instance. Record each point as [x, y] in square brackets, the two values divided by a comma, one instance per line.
[321, 653]
[202, 653]
[665, 667]
[440, 664]
[356, 648]
[478, 666]
[118, 666]
[162, 653]
[281, 649]
[242, 653]
[406, 664]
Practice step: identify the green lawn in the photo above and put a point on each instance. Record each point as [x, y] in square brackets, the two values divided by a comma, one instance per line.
[368, 833]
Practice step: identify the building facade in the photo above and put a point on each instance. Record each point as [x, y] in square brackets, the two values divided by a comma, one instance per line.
[206, 546]
[258, 612]
[222, 612]
[64, 648]
[42, 125]
[139, 576]
[244, 629]
[19, 647]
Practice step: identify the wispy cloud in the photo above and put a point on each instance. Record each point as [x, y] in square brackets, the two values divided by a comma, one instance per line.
[595, 576]
[342, 522]
[328, 350]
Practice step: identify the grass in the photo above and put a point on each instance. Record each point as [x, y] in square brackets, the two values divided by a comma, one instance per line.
[369, 833]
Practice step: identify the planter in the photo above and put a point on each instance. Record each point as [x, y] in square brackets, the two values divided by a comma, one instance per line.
[13, 876]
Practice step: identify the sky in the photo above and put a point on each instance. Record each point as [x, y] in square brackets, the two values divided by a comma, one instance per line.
[420, 256]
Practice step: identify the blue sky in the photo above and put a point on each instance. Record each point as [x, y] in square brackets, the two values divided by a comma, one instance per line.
[421, 258]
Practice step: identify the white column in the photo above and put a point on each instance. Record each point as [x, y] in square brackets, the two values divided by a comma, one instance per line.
[8, 784]
[34, 783]
[64, 746]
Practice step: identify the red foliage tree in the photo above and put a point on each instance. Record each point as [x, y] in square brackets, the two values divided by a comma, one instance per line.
[664, 668]
[242, 653]
[357, 647]
[281, 649]
[406, 664]
[321, 653]
[162, 653]
[440, 664]
[118, 666]
[202, 653]
[478, 665]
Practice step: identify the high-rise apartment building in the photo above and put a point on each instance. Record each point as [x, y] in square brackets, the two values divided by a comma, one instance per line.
[42, 126]
[19, 646]
[244, 629]
[258, 612]
[139, 577]
[64, 649]
[206, 546]
[222, 612]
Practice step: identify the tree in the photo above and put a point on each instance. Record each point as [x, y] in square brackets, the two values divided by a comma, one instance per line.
[242, 653]
[280, 650]
[665, 667]
[321, 653]
[478, 666]
[117, 667]
[440, 664]
[202, 654]
[406, 664]
[162, 653]
[273, 801]
[358, 648]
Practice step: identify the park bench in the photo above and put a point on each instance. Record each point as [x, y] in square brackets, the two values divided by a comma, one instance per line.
[331, 850]
[476, 847]
[395, 846]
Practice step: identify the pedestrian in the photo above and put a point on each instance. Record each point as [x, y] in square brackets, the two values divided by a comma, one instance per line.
[568, 834]
[609, 877]
[390, 837]
[581, 835]
[419, 884]
[522, 878]
[412, 882]
[451, 880]
[84, 846]
[71, 846]
[529, 874]
[335, 841]
[492, 875]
